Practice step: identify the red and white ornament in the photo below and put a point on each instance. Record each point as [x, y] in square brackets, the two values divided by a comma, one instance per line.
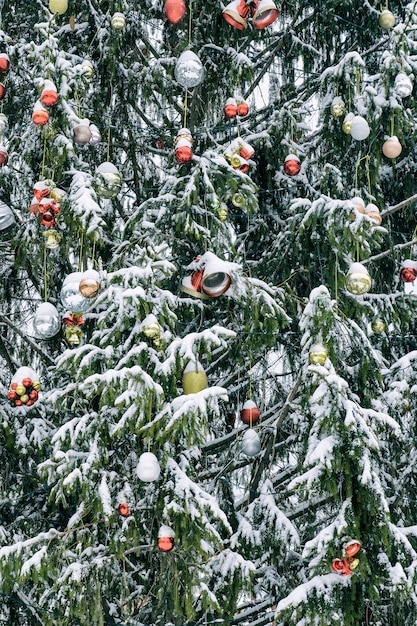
[292, 165]
[250, 413]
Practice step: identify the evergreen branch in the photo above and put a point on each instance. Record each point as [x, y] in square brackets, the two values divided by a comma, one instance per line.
[399, 206]
[382, 255]
[33, 345]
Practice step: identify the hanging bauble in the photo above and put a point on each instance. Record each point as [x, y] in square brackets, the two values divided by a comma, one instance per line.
[40, 115]
[95, 135]
[246, 150]
[292, 165]
[118, 21]
[165, 541]
[236, 14]
[4, 156]
[222, 212]
[87, 69]
[52, 239]
[386, 20]
[265, 13]
[358, 280]
[174, 10]
[317, 354]
[189, 71]
[74, 335]
[372, 211]
[58, 6]
[242, 107]
[46, 322]
[150, 327]
[47, 219]
[49, 95]
[359, 205]
[347, 123]
[148, 469]
[2, 91]
[403, 86]
[90, 283]
[183, 151]
[378, 326]
[341, 567]
[71, 297]
[408, 272]
[230, 108]
[4, 63]
[359, 128]
[250, 414]
[337, 107]
[392, 147]
[108, 181]
[41, 189]
[194, 378]
[123, 509]
[24, 387]
[7, 218]
[82, 133]
[352, 548]
[251, 444]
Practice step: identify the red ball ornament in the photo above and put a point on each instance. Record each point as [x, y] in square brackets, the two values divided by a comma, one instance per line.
[250, 414]
[292, 165]
[4, 63]
[230, 108]
[242, 108]
[408, 274]
[49, 97]
[174, 10]
[27, 382]
[165, 541]
[352, 548]
[40, 116]
[48, 219]
[12, 395]
[4, 157]
[183, 151]
[2, 91]
[123, 509]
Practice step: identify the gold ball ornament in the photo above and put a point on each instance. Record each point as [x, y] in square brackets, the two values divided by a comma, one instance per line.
[150, 327]
[36, 385]
[347, 123]
[20, 390]
[90, 284]
[337, 107]
[372, 211]
[194, 378]
[118, 21]
[238, 200]
[87, 69]
[358, 280]
[317, 354]
[378, 326]
[386, 20]
[222, 212]
[58, 6]
[392, 147]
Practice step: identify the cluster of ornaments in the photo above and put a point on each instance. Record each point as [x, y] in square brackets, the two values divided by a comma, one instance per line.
[236, 108]
[45, 207]
[238, 154]
[370, 210]
[78, 289]
[349, 561]
[24, 388]
[262, 12]
[183, 146]
[211, 277]
[48, 98]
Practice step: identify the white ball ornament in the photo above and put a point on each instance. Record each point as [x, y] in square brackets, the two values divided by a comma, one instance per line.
[58, 6]
[118, 21]
[189, 71]
[6, 216]
[392, 147]
[46, 322]
[251, 444]
[71, 297]
[386, 20]
[359, 128]
[403, 85]
[148, 469]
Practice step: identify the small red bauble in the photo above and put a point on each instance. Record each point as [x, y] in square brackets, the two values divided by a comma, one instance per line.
[352, 548]
[183, 153]
[242, 108]
[123, 509]
[27, 382]
[12, 395]
[14, 386]
[174, 10]
[2, 91]
[4, 63]
[40, 117]
[292, 165]
[49, 97]
[230, 108]
[250, 414]
[408, 274]
[165, 544]
[4, 158]
[48, 220]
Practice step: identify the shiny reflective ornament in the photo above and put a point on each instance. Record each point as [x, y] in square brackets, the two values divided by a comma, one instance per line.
[148, 468]
[352, 548]
[7, 218]
[52, 239]
[317, 354]
[40, 115]
[238, 200]
[118, 21]
[386, 20]
[4, 63]
[58, 6]
[222, 212]
[251, 444]
[403, 85]
[108, 181]
[359, 204]
[372, 211]
[292, 165]
[87, 69]
[194, 378]
[216, 278]
[236, 14]
[250, 414]
[230, 108]
[337, 108]
[242, 107]
[358, 280]
[189, 71]
[165, 541]
[74, 335]
[392, 147]
[174, 10]
[95, 135]
[150, 327]
[46, 322]
[265, 13]
[71, 297]
[359, 128]
[90, 283]
[49, 95]
[408, 272]
[347, 123]
[82, 133]
[183, 151]
[378, 326]
[4, 156]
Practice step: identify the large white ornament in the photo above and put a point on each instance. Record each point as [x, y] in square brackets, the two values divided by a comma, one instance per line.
[359, 128]
[189, 71]
[46, 322]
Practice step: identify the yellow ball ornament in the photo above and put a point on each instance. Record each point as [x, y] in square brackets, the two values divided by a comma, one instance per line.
[194, 378]
[317, 354]
[20, 390]
[58, 6]
[386, 20]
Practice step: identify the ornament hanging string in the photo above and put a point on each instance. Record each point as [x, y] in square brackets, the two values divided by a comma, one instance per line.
[80, 262]
[45, 282]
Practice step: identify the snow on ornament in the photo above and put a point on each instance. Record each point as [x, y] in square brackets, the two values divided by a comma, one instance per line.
[40, 115]
[337, 107]
[251, 444]
[148, 468]
[95, 135]
[183, 151]
[46, 321]
[373, 212]
[317, 354]
[165, 540]
[118, 21]
[7, 218]
[386, 20]
[49, 95]
[24, 388]
[71, 297]
[403, 86]
[392, 147]
[242, 107]
[359, 128]
[58, 6]
[150, 327]
[4, 63]
[347, 123]
[250, 413]
[108, 181]
[194, 378]
[82, 133]
[87, 69]
[52, 239]
[358, 281]
[90, 283]
[189, 71]
[230, 108]
[408, 272]
[292, 165]
[174, 10]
